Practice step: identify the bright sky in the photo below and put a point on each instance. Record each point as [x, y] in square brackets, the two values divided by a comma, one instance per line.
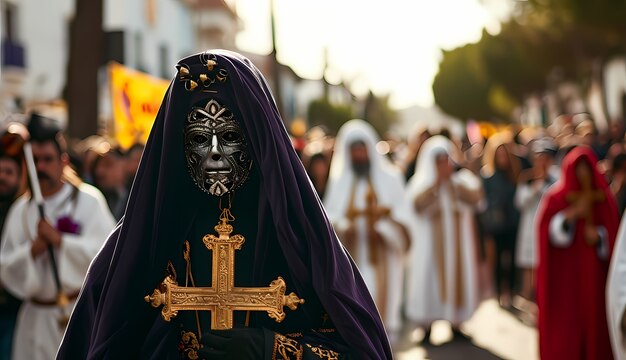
[390, 46]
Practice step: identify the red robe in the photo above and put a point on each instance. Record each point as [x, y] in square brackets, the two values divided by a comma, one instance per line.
[571, 280]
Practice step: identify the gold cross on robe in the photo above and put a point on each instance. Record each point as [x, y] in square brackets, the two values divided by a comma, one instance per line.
[372, 213]
[587, 194]
[222, 298]
[376, 247]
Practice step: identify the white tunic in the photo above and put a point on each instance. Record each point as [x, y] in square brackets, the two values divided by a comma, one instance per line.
[388, 186]
[424, 302]
[38, 335]
[616, 294]
[527, 198]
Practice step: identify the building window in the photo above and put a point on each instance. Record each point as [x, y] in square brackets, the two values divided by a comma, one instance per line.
[12, 50]
[140, 64]
[114, 47]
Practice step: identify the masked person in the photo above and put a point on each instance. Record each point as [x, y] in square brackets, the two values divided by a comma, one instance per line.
[219, 153]
[365, 202]
[577, 224]
[77, 221]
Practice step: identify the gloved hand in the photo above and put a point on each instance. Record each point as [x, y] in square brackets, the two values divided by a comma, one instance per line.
[235, 344]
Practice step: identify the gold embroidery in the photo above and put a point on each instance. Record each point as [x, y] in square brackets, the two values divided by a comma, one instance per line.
[456, 296]
[326, 330]
[323, 353]
[189, 345]
[286, 348]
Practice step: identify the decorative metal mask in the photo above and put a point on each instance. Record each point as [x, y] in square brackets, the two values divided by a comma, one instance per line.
[216, 150]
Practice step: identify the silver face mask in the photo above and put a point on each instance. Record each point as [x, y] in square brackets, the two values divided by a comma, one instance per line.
[215, 148]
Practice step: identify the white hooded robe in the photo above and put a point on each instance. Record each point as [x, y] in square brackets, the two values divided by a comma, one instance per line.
[388, 185]
[442, 264]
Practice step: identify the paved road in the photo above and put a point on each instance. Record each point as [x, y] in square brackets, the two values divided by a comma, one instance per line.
[495, 334]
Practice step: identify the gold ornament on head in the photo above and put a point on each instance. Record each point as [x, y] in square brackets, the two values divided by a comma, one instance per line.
[191, 85]
[183, 72]
[203, 78]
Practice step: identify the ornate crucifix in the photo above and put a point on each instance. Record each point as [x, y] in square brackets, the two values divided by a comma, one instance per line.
[222, 298]
[587, 194]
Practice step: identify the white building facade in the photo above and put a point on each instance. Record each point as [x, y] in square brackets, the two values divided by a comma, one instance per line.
[35, 37]
[147, 35]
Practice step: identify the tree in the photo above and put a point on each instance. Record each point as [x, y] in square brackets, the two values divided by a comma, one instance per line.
[332, 116]
[378, 113]
[519, 57]
[461, 87]
[488, 79]
[589, 30]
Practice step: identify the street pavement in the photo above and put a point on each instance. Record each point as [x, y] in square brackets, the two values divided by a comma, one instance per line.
[494, 334]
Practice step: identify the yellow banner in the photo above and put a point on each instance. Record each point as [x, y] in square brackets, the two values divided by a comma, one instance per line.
[135, 97]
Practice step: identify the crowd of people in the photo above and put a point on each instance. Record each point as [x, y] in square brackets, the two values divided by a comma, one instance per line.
[435, 223]
[84, 190]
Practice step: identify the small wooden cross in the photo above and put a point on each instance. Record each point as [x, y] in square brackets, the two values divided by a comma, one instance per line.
[222, 298]
[587, 194]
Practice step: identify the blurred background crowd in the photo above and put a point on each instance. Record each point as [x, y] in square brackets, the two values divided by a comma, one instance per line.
[515, 166]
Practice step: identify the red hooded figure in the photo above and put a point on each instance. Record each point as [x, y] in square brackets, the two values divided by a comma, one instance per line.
[578, 222]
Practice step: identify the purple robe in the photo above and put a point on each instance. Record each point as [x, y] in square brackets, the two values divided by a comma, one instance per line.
[111, 319]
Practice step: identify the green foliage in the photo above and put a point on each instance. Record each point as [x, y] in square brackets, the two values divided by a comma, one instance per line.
[323, 112]
[500, 101]
[461, 87]
[587, 29]
[488, 79]
[520, 57]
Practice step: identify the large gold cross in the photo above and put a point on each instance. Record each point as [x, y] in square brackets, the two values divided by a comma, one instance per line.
[222, 298]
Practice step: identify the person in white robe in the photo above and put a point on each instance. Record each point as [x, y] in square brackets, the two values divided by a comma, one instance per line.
[365, 202]
[76, 224]
[616, 295]
[442, 266]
